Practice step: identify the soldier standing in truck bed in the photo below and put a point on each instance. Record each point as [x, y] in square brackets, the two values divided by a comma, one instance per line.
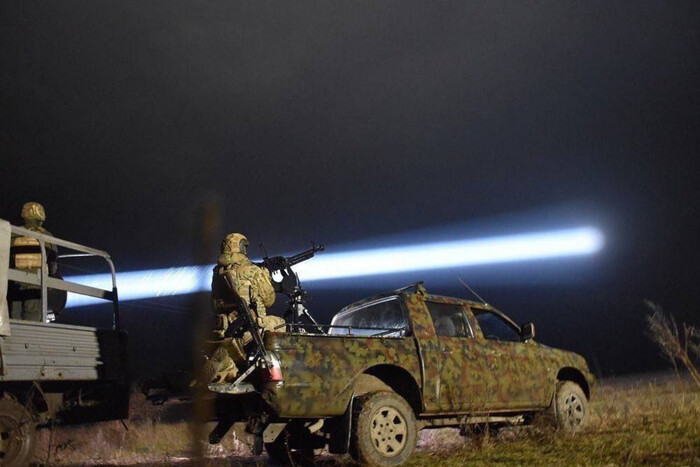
[236, 278]
[25, 300]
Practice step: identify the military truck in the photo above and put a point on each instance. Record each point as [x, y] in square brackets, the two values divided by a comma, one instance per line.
[52, 373]
[396, 363]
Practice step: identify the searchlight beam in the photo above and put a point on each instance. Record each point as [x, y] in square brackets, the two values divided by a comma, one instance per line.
[581, 241]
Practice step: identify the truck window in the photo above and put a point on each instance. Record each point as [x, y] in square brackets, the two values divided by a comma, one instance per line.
[494, 327]
[449, 320]
[371, 319]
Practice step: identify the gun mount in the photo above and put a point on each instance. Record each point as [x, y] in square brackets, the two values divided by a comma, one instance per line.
[290, 285]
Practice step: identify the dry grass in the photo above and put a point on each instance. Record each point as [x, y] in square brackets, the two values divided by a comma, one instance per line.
[153, 435]
[676, 346]
[633, 422]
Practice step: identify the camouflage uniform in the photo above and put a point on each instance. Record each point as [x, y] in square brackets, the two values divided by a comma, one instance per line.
[236, 278]
[26, 256]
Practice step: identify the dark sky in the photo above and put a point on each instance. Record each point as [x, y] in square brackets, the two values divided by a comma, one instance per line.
[349, 121]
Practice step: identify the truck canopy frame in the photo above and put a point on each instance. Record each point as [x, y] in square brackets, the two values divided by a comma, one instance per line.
[41, 278]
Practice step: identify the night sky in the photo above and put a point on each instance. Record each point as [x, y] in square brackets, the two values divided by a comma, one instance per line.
[362, 123]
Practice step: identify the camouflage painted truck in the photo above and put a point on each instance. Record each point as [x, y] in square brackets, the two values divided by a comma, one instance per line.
[52, 373]
[394, 364]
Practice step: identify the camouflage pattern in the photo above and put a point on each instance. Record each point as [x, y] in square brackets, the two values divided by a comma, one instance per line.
[25, 300]
[33, 211]
[319, 370]
[236, 277]
[234, 243]
[454, 375]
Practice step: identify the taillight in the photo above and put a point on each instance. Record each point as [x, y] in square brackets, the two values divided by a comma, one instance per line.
[273, 372]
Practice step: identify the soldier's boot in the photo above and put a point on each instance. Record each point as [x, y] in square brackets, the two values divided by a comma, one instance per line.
[210, 374]
[231, 375]
[219, 367]
[227, 371]
[224, 365]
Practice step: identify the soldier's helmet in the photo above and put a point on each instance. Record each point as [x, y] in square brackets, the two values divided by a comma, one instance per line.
[235, 243]
[33, 211]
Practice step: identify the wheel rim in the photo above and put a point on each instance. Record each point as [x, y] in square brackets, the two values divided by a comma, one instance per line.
[388, 431]
[11, 439]
[574, 411]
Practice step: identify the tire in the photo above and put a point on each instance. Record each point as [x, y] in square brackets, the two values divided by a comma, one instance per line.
[17, 434]
[384, 429]
[277, 450]
[294, 446]
[569, 407]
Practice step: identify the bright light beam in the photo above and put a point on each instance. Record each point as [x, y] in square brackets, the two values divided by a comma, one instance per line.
[460, 253]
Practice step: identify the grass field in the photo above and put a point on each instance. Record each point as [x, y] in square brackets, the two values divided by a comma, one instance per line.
[652, 420]
[632, 423]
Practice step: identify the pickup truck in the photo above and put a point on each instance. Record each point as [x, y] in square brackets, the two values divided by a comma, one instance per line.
[53, 373]
[398, 362]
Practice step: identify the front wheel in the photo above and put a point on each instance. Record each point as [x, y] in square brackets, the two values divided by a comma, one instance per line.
[569, 407]
[17, 433]
[384, 429]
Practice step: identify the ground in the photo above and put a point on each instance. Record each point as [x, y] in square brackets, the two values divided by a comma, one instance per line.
[651, 419]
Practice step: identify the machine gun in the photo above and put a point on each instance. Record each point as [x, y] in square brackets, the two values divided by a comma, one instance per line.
[290, 285]
[284, 265]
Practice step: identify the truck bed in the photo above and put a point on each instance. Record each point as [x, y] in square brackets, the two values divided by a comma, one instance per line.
[319, 369]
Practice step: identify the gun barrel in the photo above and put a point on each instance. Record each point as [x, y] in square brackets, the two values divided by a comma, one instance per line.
[304, 255]
[278, 263]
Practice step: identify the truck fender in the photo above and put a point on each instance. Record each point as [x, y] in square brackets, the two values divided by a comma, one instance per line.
[46, 404]
[42, 405]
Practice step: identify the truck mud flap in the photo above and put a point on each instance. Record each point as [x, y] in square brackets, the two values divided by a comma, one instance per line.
[340, 429]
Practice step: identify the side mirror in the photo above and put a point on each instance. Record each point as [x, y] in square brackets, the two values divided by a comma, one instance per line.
[527, 332]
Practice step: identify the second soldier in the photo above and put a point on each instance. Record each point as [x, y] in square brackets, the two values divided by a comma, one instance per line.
[235, 278]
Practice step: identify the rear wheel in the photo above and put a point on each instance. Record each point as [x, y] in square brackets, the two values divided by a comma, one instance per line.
[296, 445]
[570, 407]
[17, 433]
[384, 429]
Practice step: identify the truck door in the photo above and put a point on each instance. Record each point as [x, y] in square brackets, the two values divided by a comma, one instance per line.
[520, 375]
[464, 379]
